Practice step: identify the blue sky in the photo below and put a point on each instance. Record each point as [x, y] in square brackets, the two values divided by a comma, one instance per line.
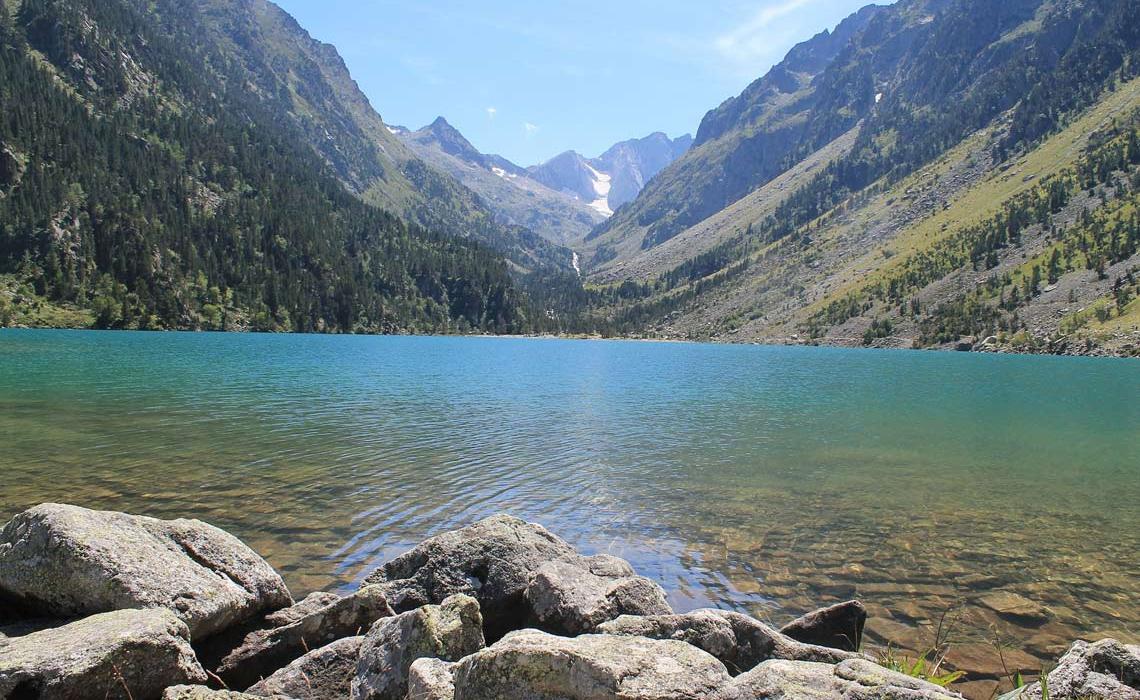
[530, 79]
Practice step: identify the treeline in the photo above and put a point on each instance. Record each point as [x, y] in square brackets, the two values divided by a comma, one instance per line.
[160, 200]
[1097, 240]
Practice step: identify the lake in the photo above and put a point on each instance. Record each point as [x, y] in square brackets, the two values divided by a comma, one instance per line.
[764, 479]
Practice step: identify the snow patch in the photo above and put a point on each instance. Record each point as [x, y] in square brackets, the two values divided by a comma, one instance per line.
[574, 262]
[394, 130]
[878, 98]
[602, 185]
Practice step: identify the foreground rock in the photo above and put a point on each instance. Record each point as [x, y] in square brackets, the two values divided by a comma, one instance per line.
[263, 652]
[65, 561]
[529, 665]
[574, 597]
[303, 608]
[431, 679]
[201, 692]
[1105, 670]
[494, 561]
[449, 632]
[856, 679]
[839, 626]
[738, 641]
[132, 654]
[322, 674]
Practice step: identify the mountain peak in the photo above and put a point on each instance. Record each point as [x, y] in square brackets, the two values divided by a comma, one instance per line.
[450, 141]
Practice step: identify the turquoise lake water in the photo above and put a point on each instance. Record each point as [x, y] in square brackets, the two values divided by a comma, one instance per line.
[771, 480]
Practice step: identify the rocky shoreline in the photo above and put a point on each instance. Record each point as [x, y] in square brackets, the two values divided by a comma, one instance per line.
[108, 605]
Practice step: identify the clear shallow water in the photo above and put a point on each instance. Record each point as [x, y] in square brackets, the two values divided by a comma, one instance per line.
[770, 480]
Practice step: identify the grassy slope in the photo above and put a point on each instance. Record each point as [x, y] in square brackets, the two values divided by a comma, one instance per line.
[877, 232]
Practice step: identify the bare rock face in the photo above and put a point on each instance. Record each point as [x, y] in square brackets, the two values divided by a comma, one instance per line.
[310, 604]
[738, 641]
[322, 674]
[1102, 670]
[494, 562]
[126, 654]
[431, 679]
[839, 626]
[65, 561]
[263, 652]
[574, 597]
[448, 632]
[533, 665]
[856, 679]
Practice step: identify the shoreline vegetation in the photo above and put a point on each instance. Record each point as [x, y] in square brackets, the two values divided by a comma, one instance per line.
[1128, 349]
[110, 605]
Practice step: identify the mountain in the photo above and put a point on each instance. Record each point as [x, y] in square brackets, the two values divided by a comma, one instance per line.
[205, 164]
[505, 188]
[615, 177]
[932, 173]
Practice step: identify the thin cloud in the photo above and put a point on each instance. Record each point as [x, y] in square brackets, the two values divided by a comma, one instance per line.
[530, 129]
[492, 112]
[752, 40]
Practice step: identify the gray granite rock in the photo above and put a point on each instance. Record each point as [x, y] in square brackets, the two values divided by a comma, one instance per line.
[534, 665]
[1104, 670]
[431, 679]
[65, 561]
[856, 679]
[263, 652]
[322, 674]
[449, 631]
[201, 692]
[296, 612]
[574, 596]
[739, 641]
[128, 654]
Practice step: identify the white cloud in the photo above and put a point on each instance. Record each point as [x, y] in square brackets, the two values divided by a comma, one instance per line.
[751, 40]
[530, 129]
[492, 112]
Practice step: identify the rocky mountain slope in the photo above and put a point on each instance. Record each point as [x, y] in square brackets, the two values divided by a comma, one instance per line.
[614, 178]
[183, 165]
[508, 190]
[930, 174]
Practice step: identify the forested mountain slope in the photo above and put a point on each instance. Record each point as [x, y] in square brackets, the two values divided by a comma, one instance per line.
[148, 178]
[948, 148]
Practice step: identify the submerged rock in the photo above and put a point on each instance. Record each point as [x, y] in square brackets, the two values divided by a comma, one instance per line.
[66, 561]
[265, 651]
[530, 665]
[738, 641]
[855, 679]
[1104, 670]
[494, 561]
[838, 626]
[449, 631]
[1016, 607]
[322, 674]
[131, 654]
[575, 596]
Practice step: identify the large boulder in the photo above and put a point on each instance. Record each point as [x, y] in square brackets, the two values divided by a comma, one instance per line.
[856, 679]
[738, 641]
[265, 651]
[534, 665]
[448, 631]
[65, 561]
[494, 561]
[301, 609]
[130, 654]
[575, 596]
[431, 679]
[1104, 670]
[839, 626]
[322, 674]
